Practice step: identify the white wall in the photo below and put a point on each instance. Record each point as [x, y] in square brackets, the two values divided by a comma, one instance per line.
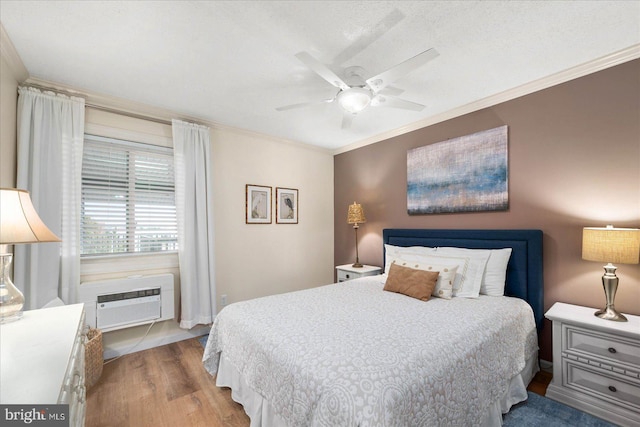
[254, 260]
[102, 123]
[8, 105]
[251, 260]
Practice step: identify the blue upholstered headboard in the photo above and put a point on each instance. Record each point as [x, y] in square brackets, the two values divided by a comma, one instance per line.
[524, 271]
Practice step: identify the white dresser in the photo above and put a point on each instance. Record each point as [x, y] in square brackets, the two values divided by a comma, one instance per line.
[596, 363]
[42, 360]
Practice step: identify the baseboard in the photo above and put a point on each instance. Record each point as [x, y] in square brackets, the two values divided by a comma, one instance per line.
[127, 347]
[596, 406]
[546, 366]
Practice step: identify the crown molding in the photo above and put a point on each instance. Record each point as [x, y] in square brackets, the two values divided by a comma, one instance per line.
[616, 58]
[10, 55]
[112, 103]
[20, 73]
[145, 111]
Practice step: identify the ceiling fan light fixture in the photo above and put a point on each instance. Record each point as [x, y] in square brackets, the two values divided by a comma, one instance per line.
[355, 99]
[378, 100]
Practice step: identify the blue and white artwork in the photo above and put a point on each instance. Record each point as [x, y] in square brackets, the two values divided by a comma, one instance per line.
[465, 174]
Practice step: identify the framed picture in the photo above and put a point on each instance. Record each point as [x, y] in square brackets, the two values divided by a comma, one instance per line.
[464, 174]
[286, 205]
[258, 204]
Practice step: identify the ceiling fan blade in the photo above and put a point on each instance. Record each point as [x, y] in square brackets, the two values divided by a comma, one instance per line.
[321, 70]
[392, 101]
[385, 78]
[347, 119]
[304, 104]
[391, 90]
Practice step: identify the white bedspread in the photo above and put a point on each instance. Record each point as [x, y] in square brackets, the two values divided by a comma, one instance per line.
[351, 354]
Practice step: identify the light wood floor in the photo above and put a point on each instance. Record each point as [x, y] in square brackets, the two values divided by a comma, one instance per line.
[540, 382]
[167, 386]
[162, 386]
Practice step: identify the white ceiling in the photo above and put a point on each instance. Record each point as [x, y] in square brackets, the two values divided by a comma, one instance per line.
[233, 63]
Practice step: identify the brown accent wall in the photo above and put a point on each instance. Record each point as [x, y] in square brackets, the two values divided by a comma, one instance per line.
[574, 161]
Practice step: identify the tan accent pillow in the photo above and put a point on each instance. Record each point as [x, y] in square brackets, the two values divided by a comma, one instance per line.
[411, 282]
[444, 285]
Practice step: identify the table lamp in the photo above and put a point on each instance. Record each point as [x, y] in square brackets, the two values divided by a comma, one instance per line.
[355, 216]
[609, 244]
[19, 223]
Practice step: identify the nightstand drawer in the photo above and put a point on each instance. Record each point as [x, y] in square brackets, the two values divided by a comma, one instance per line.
[596, 365]
[618, 351]
[345, 275]
[348, 272]
[617, 390]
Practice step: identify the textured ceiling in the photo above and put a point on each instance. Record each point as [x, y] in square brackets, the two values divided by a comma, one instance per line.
[234, 62]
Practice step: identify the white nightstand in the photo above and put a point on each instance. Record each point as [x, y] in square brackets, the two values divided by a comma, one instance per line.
[347, 272]
[596, 363]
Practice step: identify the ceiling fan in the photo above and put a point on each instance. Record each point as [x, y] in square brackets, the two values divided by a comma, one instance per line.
[355, 93]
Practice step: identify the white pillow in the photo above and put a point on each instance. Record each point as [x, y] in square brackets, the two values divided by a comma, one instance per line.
[495, 272]
[470, 271]
[409, 253]
[446, 275]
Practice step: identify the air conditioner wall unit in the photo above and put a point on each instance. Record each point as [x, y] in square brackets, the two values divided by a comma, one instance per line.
[129, 301]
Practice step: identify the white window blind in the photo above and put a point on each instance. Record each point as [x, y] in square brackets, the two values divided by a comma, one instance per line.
[128, 198]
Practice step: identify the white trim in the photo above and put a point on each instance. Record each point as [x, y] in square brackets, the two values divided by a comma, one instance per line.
[128, 263]
[616, 58]
[111, 102]
[127, 106]
[10, 55]
[121, 348]
[254, 134]
[135, 145]
[546, 366]
[127, 135]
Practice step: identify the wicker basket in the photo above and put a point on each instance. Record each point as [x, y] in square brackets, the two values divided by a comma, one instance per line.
[93, 357]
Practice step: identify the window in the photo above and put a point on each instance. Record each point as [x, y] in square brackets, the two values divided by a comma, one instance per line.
[128, 198]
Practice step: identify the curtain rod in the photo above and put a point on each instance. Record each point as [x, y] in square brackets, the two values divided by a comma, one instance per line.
[98, 107]
[56, 91]
[128, 114]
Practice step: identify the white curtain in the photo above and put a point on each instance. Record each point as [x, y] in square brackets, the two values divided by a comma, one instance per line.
[50, 137]
[194, 211]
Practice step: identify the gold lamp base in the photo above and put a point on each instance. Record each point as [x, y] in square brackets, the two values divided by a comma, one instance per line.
[355, 216]
[357, 263]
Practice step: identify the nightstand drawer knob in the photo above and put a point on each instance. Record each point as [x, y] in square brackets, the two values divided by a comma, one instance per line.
[612, 388]
[347, 276]
[612, 350]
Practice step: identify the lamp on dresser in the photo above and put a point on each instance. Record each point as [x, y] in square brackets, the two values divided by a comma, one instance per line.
[609, 244]
[355, 216]
[19, 223]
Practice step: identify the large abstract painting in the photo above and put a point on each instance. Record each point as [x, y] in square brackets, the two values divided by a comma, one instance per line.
[465, 174]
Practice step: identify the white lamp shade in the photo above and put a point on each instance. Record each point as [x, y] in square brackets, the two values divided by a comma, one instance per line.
[19, 221]
[614, 245]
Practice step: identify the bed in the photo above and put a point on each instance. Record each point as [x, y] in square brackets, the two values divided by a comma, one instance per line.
[351, 354]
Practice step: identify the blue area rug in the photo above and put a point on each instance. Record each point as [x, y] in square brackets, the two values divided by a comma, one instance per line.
[536, 411]
[203, 340]
[539, 411]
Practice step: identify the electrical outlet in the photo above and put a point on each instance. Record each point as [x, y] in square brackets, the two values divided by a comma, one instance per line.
[223, 300]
